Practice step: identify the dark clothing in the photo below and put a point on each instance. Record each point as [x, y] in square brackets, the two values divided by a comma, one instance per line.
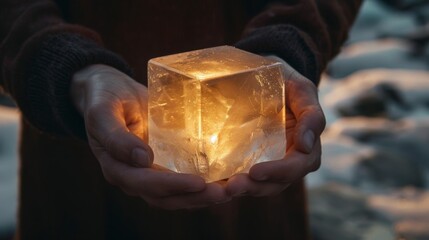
[63, 194]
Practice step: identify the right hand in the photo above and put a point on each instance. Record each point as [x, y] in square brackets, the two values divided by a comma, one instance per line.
[114, 108]
[304, 126]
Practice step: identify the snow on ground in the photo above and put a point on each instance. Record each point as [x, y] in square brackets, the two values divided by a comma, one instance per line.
[374, 178]
[9, 128]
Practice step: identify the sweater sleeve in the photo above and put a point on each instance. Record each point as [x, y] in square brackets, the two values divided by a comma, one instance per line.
[38, 54]
[305, 33]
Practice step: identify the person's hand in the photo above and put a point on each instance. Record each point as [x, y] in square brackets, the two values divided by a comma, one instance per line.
[305, 122]
[114, 108]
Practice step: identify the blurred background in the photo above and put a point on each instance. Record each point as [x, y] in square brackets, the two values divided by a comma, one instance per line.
[374, 180]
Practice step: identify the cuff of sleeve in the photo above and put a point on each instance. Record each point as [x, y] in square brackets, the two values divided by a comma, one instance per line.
[46, 95]
[286, 42]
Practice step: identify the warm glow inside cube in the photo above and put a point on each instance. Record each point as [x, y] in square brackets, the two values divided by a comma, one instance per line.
[216, 112]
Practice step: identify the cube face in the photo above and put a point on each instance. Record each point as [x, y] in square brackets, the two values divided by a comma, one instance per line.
[216, 112]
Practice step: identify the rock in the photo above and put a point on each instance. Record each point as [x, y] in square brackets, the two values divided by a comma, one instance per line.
[340, 212]
[386, 53]
[408, 208]
[386, 170]
[406, 139]
[413, 229]
[373, 103]
[404, 4]
[420, 38]
[390, 93]
[422, 14]
[374, 154]
[363, 129]
[409, 144]
[426, 51]
[340, 158]
[372, 13]
[375, 21]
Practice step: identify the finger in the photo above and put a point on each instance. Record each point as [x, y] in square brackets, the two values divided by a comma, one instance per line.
[107, 125]
[303, 102]
[149, 182]
[293, 167]
[214, 193]
[243, 185]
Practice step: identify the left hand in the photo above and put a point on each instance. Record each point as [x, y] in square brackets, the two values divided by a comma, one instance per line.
[114, 108]
[305, 123]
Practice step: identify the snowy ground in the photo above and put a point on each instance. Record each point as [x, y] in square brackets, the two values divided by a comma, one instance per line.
[9, 128]
[374, 179]
[373, 183]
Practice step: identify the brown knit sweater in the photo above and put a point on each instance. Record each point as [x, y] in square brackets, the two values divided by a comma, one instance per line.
[62, 193]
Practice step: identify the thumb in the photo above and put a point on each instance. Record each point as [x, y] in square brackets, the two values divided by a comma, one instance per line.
[108, 128]
[303, 102]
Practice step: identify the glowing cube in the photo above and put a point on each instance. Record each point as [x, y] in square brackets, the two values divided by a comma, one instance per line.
[216, 112]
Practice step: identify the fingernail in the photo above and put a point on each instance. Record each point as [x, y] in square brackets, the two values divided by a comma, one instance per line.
[308, 140]
[140, 158]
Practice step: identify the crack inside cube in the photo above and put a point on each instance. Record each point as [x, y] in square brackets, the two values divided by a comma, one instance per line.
[216, 112]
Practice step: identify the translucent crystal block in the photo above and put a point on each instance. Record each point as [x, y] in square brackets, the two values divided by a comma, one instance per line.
[216, 112]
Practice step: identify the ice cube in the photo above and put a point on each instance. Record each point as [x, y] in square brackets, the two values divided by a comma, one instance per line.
[216, 112]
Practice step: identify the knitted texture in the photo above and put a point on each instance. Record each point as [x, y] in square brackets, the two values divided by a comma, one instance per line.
[285, 42]
[49, 77]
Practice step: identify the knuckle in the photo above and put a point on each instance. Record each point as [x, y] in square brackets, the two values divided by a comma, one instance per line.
[316, 113]
[301, 83]
[307, 84]
[293, 84]
[320, 114]
[314, 110]
[315, 165]
[321, 117]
